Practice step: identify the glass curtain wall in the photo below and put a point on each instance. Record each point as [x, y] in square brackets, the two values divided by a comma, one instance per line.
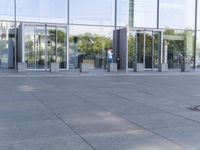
[35, 46]
[57, 46]
[198, 50]
[7, 10]
[132, 36]
[124, 10]
[180, 47]
[7, 34]
[93, 12]
[51, 11]
[45, 44]
[29, 52]
[144, 13]
[198, 37]
[90, 43]
[7, 44]
[177, 14]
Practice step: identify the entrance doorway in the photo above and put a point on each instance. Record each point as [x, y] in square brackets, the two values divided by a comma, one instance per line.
[148, 48]
[43, 44]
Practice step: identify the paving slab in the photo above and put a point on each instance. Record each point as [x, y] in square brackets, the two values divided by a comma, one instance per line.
[116, 111]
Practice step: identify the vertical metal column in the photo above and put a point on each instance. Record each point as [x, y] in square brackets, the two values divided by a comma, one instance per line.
[56, 43]
[46, 48]
[115, 33]
[161, 47]
[15, 22]
[67, 46]
[158, 14]
[35, 46]
[195, 34]
[144, 48]
[152, 51]
[136, 48]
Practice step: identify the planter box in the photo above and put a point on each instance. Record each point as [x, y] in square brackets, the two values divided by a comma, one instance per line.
[112, 67]
[137, 67]
[163, 67]
[54, 67]
[84, 67]
[185, 67]
[21, 67]
[87, 65]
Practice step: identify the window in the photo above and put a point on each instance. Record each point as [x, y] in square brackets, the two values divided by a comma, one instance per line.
[145, 13]
[99, 12]
[178, 14]
[42, 11]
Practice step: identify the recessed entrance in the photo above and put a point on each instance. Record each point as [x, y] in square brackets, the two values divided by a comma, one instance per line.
[147, 48]
[44, 44]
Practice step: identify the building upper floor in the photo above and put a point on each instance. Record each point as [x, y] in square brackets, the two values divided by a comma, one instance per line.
[176, 14]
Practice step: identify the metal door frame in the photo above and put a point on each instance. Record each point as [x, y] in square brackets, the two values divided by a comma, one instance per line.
[160, 51]
[46, 26]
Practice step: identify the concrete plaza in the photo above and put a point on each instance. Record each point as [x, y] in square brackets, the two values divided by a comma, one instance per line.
[148, 111]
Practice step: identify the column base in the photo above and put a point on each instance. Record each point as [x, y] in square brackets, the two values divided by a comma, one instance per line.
[163, 67]
[54, 67]
[185, 67]
[112, 67]
[21, 67]
[138, 67]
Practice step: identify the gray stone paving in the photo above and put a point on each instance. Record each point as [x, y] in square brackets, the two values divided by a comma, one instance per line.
[147, 111]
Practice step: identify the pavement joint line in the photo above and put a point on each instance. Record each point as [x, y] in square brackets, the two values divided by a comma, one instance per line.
[60, 118]
[157, 108]
[118, 115]
[99, 75]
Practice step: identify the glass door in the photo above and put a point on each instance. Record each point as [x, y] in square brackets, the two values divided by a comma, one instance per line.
[40, 47]
[35, 47]
[62, 47]
[29, 47]
[57, 46]
[52, 45]
[140, 43]
[148, 51]
[45, 44]
[156, 48]
[148, 47]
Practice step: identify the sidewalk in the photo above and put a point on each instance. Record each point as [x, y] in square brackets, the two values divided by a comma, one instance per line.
[108, 111]
[96, 72]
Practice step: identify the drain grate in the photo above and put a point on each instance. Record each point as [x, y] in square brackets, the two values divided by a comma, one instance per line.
[195, 108]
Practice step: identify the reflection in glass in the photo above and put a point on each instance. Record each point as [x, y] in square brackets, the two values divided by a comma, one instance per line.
[7, 40]
[35, 47]
[62, 47]
[124, 11]
[51, 11]
[45, 44]
[140, 47]
[30, 47]
[7, 10]
[131, 49]
[157, 48]
[52, 50]
[40, 47]
[94, 12]
[198, 15]
[198, 50]
[88, 42]
[148, 49]
[180, 47]
[145, 13]
[178, 14]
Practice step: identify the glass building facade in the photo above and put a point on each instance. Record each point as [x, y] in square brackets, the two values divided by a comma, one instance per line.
[39, 32]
